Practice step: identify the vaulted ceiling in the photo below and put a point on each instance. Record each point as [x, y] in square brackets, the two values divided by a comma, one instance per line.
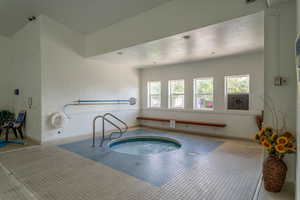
[84, 16]
[237, 36]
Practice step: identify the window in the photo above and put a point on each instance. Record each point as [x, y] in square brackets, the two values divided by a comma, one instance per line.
[154, 94]
[176, 94]
[204, 94]
[237, 92]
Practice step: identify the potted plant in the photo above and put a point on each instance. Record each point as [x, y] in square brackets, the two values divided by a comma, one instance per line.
[278, 142]
[277, 146]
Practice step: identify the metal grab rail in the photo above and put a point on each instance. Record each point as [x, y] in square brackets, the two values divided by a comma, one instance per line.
[103, 126]
[94, 128]
[118, 119]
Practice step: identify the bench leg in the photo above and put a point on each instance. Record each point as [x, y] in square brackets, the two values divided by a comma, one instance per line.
[20, 132]
[6, 135]
[15, 132]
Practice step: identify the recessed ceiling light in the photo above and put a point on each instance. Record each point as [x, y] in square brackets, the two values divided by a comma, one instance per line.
[250, 1]
[186, 37]
[120, 53]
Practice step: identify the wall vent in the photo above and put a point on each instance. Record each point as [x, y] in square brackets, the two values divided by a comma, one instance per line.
[238, 102]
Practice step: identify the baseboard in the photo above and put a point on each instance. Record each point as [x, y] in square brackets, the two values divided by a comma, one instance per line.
[33, 140]
[86, 136]
[58, 141]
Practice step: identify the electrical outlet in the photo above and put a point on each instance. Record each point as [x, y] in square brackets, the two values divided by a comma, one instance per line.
[60, 131]
[280, 81]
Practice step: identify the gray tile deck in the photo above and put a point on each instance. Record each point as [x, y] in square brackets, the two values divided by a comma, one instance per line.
[229, 172]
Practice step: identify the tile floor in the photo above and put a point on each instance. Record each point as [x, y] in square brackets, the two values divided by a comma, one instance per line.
[28, 142]
[48, 172]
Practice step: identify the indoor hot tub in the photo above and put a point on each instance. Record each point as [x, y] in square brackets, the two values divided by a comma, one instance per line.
[144, 145]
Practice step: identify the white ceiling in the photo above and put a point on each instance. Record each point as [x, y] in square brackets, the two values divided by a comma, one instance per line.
[237, 36]
[84, 16]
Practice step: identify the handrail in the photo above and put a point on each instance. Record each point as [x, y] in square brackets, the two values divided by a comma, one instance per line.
[113, 116]
[132, 101]
[113, 124]
[94, 128]
[103, 126]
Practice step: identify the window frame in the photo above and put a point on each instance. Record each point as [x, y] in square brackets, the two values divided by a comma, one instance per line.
[195, 94]
[170, 95]
[226, 93]
[149, 95]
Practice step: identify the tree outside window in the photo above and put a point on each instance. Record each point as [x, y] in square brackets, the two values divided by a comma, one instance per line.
[154, 94]
[176, 94]
[237, 92]
[203, 94]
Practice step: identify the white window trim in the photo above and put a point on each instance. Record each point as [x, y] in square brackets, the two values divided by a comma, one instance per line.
[149, 95]
[169, 95]
[226, 98]
[194, 94]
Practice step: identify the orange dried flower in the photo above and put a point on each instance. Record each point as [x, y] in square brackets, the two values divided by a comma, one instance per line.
[262, 139]
[282, 140]
[280, 148]
[288, 135]
[290, 146]
[274, 136]
[266, 144]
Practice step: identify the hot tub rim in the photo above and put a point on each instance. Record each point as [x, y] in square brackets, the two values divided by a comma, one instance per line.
[161, 138]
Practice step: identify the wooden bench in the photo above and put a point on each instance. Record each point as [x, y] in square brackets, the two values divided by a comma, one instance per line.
[183, 122]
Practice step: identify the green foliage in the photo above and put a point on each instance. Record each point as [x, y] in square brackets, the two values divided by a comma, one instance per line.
[204, 86]
[6, 116]
[177, 87]
[238, 84]
[155, 87]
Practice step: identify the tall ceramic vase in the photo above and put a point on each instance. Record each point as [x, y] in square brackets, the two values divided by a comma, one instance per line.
[274, 173]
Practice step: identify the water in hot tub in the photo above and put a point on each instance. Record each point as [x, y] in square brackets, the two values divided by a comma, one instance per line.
[145, 147]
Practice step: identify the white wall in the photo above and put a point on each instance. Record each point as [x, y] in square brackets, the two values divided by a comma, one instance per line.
[27, 76]
[280, 34]
[298, 113]
[67, 76]
[6, 73]
[240, 124]
[298, 15]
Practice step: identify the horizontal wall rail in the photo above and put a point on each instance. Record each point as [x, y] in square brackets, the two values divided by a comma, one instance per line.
[131, 101]
[221, 125]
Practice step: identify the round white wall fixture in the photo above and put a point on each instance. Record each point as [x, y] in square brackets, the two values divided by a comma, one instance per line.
[58, 120]
[132, 101]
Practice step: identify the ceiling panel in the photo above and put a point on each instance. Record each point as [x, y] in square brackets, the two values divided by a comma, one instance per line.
[236, 36]
[84, 16]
